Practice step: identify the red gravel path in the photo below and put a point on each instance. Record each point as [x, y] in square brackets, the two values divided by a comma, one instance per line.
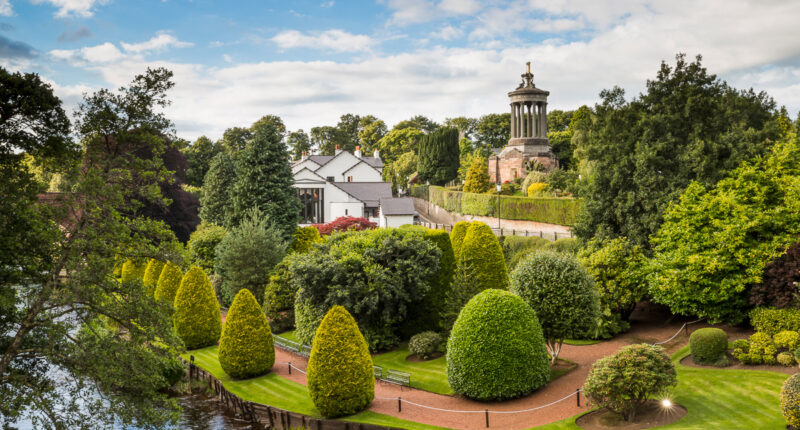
[386, 394]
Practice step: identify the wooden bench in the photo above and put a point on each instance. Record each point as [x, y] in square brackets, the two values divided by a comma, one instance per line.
[398, 377]
[378, 372]
[283, 343]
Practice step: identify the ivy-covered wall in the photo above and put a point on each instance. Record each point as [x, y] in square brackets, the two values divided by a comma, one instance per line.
[552, 210]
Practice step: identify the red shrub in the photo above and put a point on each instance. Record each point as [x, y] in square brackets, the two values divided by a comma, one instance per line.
[345, 223]
[778, 286]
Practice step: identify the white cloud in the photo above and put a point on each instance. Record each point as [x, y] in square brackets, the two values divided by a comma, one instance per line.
[227, 58]
[105, 53]
[448, 33]
[73, 8]
[159, 42]
[5, 8]
[336, 40]
[327, 4]
[459, 7]
[407, 12]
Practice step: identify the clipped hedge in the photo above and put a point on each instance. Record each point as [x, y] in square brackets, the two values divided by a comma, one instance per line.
[762, 349]
[151, 274]
[481, 252]
[786, 359]
[772, 321]
[245, 347]
[133, 270]
[787, 340]
[457, 237]
[552, 210]
[341, 380]
[708, 345]
[790, 400]
[168, 283]
[496, 349]
[424, 344]
[197, 316]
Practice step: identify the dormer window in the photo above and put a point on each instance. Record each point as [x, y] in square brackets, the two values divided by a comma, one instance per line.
[330, 179]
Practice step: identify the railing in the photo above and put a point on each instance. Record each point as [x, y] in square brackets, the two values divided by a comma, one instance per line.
[549, 235]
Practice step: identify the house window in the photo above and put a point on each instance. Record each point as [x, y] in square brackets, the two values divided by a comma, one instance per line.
[330, 179]
[346, 212]
[349, 179]
[311, 210]
[514, 173]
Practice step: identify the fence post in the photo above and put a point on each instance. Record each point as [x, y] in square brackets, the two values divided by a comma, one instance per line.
[555, 235]
[290, 367]
[399, 404]
[541, 234]
[578, 396]
[487, 418]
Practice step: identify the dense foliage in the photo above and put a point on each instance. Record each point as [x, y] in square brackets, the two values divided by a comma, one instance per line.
[457, 235]
[245, 347]
[772, 321]
[716, 242]
[375, 274]
[708, 345]
[624, 381]
[790, 400]
[779, 284]
[203, 243]
[438, 156]
[427, 312]
[215, 204]
[477, 180]
[341, 380]
[688, 126]
[279, 298]
[264, 181]
[247, 255]
[304, 239]
[345, 223]
[561, 293]
[198, 157]
[151, 274]
[481, 251]
[197, 316]
[133, 269]
[424, 344]
[168, 282]
[496, 350]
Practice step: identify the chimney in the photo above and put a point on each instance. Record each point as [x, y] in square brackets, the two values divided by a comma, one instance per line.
[357, 153]
[376, 154]
[338, 150]
[304, 156]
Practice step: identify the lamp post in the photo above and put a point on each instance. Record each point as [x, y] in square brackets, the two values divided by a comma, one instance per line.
[428, 187]
[499, 231]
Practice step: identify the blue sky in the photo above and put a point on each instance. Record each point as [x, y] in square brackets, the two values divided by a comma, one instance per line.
[311, 61]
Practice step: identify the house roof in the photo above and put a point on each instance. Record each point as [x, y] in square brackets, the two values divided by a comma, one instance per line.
[360, 162]
[374, 162]
[398, 206]
[368, 192]
[320, 159]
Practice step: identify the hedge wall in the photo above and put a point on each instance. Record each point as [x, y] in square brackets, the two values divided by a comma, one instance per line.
[553, 210]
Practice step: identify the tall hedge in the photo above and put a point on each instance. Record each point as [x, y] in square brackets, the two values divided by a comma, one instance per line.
[151, 274]
[341, 380]
[457, 236]
[245, 347]
[496, 350]
[168, 283]
[133, 270]
[197, 316]
[427, 313]
[482, 252]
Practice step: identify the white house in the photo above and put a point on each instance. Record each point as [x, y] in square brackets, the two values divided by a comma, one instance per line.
[345, 184]
[396, 212]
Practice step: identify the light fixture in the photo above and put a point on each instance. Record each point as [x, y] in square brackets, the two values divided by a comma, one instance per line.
[666, 403]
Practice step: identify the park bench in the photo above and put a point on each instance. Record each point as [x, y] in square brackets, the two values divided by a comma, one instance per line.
[305, 351]
[283, 343]
[378, 372]
[398, 377]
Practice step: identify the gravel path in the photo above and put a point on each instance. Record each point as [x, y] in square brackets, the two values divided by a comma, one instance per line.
[386, 394]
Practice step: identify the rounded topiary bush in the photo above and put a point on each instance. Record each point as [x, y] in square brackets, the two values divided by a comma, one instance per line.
[341, 379]
[482, 252]
[790, 400]
[787, 339]
[457, 236]
[424, 344]
[168, 283]
[762, 349]
[496, 350]
[786, 359]
[708, 345]
[151, 274]
[197, 317]
[133, 270]
[245, 347]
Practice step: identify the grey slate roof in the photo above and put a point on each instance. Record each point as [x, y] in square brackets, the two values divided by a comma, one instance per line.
[320, 159]
[370, 193]
[398, 206]
[374, 162]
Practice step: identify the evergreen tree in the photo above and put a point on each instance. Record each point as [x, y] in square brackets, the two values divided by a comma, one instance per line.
[477, 177]
[245, 347]
[439, 159]
[264, 180]
[197, 316]
[299, 142]
[216, 201]
[198, 157]
[482, 252]
[168, 283]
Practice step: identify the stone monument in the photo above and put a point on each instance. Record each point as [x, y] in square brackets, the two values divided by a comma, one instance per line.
[528, 142]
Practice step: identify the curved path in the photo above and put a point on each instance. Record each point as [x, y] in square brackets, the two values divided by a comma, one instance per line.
[386, 394]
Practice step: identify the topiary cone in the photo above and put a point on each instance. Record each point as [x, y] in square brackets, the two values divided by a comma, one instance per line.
[133, 270]
[341, 379]
[246, 348]
[457, 237]
[197, 315]
[496, 349]
[168, 283]
[151, 274]
[482, 252]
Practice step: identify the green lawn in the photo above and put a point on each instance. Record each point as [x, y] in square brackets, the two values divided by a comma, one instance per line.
[580, 342]
[280, 392]
[427, 375]
[290, 335]
[720, 399]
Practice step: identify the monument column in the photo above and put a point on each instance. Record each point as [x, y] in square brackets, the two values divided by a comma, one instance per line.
[544, 119]
[512, 120]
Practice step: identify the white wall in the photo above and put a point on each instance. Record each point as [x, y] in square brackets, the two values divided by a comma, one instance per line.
[394, 221]
[308, 164]
[340, 209]
[361, 172]
[337, 165]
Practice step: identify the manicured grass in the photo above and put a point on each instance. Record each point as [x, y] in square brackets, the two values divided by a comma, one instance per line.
[290, 335]
[427, 375]
[580, 342]
[720, 399]
[280, 392]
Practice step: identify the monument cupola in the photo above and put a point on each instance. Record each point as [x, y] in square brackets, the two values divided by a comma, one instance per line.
[528, 113]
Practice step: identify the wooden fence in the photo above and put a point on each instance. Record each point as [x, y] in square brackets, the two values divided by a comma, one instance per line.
[270, 417]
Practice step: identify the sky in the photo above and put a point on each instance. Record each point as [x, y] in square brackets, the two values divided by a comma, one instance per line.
[309, 62]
